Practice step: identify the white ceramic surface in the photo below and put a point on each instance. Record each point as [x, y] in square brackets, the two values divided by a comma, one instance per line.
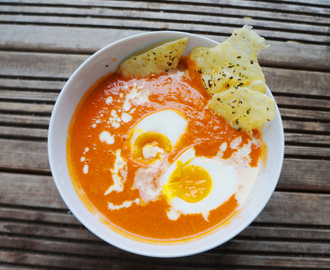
[94, 68]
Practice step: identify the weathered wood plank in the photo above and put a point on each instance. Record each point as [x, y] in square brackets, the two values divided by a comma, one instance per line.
[304, 114]
[307, 151]
[155, 25]
[298, 126]
[263, 5]
[204, 10]
[191, 5]
[39, 217]
[25, 107]
[307, 175]
[307, 138]
[212, 260]
[301, 113]
[297, 81]
[89, 40]
[287, 207]
[168, 16]
[312, 208]
[24, 155]
[24, 120]
[39, 64]
[27, 133]
[47, 231]
[31, 84]
[299, 102]
[29, 190]
[261, 232]
[48, 65]
[7, 267]
[28, 96]
[105, 250]
[30, 153]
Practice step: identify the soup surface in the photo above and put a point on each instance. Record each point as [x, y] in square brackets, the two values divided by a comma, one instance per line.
[157, 163]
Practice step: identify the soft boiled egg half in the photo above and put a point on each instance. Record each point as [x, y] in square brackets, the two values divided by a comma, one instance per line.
[197, 185]
[156, 134]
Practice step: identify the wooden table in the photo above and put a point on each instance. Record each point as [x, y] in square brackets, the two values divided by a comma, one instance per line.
[43, 42]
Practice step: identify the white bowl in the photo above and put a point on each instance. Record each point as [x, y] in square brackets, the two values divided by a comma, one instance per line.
[90, 71]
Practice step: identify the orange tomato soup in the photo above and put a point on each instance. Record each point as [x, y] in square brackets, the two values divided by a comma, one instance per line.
[205, 132]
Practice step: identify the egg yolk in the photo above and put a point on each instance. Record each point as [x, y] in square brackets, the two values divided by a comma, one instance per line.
[150, 145]
[191, 183]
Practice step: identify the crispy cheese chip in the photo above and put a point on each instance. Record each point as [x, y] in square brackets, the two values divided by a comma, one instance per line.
[154, 62]
[243, 108]
[233, 63]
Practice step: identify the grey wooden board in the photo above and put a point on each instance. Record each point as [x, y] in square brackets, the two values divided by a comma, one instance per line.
[97, 249]
[158, 25]
[87, 40]
[36, 85]
[56, 222]
[104, 250]
[311, 209]
[131, 14]
[211, 261]
[190, 5]
[28, 96]
[61, 66]
[23, 132]
[307, 138]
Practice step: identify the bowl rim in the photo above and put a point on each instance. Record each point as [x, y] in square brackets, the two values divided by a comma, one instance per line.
[90, 227]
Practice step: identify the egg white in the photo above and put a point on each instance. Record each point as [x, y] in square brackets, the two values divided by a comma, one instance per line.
[167, 122]
[224, 183]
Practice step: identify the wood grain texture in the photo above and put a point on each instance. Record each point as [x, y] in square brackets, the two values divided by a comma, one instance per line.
[19, 218]
[23, 132]
[61, 66]
[168, 16]
[305, 175]
[25, 108]
[88, 40]
[211, 261]
[29, 190]
[24, 120]
[28, 96]
[212, 3]
[33, 156]
[289, 233]
[24, 155]
[39, 216]
[299, 126]
[104, 250]
[297, 206]
[311, 209]
[307, 138]
[202, 10]
[132, 24]
[39, 85]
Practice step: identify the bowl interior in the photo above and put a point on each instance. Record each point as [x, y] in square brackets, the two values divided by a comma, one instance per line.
[104, 61]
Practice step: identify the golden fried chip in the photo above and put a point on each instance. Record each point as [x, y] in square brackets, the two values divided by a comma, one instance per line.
[233, 63]
[156, 61]
[243, 108]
